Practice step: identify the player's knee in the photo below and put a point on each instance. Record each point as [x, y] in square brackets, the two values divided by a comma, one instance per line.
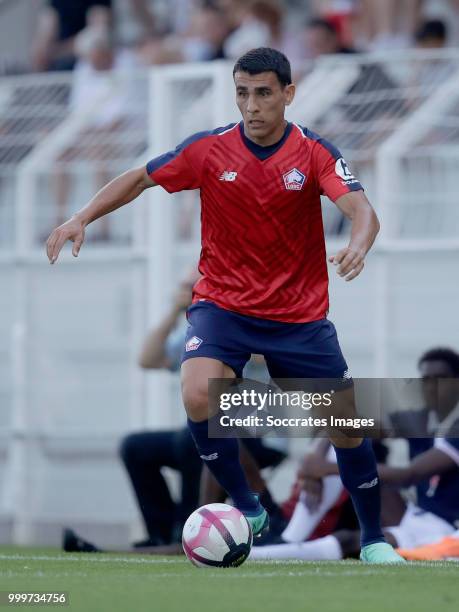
[343, 442]
[196, 399]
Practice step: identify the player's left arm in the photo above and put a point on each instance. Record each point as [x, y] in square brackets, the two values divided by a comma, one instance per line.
[431, 463]
[335, 180]
[365, 227]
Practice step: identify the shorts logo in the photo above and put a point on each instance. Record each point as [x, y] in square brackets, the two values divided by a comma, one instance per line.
[294, 180]
[193, 344]
[347, 375]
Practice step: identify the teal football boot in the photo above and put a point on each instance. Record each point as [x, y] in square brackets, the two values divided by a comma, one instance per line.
[258, 520]
[380, 552]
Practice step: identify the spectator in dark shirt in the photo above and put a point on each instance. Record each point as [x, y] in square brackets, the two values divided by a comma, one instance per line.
[59, 23]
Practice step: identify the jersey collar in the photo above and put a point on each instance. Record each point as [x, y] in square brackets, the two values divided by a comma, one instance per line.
[264, 152]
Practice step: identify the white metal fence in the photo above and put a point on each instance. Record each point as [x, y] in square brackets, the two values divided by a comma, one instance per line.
[69, 384]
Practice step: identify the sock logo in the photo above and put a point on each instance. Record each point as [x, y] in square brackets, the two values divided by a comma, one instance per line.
[369, 485]
[209, 457]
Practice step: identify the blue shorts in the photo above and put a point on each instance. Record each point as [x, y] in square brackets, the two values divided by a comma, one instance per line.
[291, 350]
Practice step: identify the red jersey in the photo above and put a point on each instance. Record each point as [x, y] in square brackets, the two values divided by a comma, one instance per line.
[263, 247]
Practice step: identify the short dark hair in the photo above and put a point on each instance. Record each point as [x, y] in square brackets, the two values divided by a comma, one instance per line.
[264, 59]
[442, 354]
[432, 28]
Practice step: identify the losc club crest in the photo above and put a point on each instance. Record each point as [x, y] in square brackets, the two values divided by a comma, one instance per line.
[294, 180]
[193, 344]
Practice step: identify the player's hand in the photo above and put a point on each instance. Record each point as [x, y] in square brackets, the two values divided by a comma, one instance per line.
[350, 262]
[72, 230]
[182, 299]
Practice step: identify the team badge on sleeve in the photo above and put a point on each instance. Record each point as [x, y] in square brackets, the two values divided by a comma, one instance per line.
[294, 180]
[342, 170]
[193, 344]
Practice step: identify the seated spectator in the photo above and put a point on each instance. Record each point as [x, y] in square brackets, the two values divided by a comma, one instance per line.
[432, 34]
[317, 509]
[433, 468]
[58, 25]
[445, 549]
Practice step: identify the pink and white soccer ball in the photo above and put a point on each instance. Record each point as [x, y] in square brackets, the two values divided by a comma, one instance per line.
[217, 535]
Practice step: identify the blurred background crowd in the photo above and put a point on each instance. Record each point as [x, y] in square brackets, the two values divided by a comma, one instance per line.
[79, 113]
[101, 32]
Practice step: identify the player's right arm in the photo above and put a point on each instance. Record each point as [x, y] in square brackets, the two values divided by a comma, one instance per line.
[117, 193]
[175, 171]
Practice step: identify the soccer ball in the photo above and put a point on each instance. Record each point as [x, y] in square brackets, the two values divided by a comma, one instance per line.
[217, 535]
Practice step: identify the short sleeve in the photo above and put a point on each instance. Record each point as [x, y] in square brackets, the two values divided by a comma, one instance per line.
[332, 172]
[181, 168]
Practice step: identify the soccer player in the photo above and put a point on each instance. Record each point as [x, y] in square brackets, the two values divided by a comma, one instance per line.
[264, 285]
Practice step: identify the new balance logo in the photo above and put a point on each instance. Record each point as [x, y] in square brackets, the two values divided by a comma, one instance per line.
[209, 457]
[228, 176]
[369, 485]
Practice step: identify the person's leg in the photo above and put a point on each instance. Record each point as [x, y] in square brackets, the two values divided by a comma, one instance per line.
[214, 350]
[221, 455]
[359, 475]
[312, 351]
[74, 543]
[210, 491]
[327, 548]
[358, 471]
[189, 465]
[143, 455]
[418, 528]
[304, 521]
[255, 455]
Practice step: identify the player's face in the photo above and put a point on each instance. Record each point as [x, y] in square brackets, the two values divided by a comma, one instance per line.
[262, 100]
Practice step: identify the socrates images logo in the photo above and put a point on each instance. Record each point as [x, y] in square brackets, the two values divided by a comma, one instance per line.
[193, 344]
[294, 179]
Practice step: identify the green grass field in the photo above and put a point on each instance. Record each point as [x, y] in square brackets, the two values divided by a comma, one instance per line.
[114, 583]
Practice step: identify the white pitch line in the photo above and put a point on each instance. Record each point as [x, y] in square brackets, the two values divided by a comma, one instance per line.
[318, 569]
[133, 559]
[228, 575]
